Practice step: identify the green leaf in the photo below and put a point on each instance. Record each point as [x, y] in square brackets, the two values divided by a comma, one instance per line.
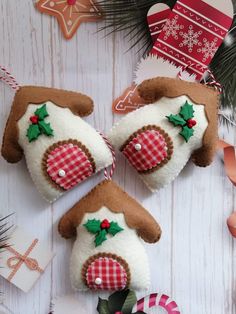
[117, 299]
[187, 111]
[93, 226]
[176, 120]
[114, 228]
[102, 307]
[45, 128]
[129, 303]
[42, 112]
[186, 133]
[100, 237]
[33, 132]
[122, 301]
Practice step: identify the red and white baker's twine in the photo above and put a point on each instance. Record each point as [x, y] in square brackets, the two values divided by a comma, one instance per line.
[17, 260]
[9, 79]
[183, 69]
[212, 82]
[113, 166]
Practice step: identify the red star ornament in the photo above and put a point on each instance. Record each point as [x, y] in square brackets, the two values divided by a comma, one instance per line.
[70, 13]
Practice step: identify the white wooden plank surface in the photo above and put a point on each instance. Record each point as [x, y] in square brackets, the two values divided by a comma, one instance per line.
[195, 259]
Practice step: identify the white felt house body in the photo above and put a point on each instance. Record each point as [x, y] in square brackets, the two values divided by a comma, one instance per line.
[75, 129]
[60, 148]
[153, 145]
[118, 261]
[126, 245]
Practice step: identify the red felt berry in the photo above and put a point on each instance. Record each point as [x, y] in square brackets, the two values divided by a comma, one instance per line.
[191, 123]
[34, 119]
[71, 2]
[105, 224]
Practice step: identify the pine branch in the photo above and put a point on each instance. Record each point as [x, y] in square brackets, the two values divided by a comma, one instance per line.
[4, 228]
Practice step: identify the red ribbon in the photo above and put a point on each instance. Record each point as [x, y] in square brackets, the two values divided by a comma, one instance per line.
[229, 160]
[15, 262]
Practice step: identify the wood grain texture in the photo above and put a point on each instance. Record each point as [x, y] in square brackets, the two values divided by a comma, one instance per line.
[195, 259]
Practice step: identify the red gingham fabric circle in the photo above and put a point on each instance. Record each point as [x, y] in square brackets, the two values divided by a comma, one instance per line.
[153, 150]
[112, 275]
[71, 162]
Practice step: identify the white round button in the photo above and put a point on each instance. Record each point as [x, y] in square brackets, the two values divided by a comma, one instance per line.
[98, 281]
[61, 173]
[138, 146]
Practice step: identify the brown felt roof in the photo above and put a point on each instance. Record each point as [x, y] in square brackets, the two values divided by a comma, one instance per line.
[78, 103]
[109, 194]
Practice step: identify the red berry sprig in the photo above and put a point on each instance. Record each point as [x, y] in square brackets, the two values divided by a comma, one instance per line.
[34, 119]
[105, 224]
[101, 229]
[38, 124]
[191, 123]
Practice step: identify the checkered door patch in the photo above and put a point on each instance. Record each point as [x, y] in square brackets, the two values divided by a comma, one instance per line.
[106, 274]
[148, 149]
[67, 165]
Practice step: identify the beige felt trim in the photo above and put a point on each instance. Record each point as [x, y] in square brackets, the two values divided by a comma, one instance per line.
[154, 89]
[58, 144]
[79, 104]
[167, 139]
[115, 257]
[109, 194]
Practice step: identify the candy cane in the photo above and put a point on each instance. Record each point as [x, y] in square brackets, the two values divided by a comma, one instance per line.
[155, 300]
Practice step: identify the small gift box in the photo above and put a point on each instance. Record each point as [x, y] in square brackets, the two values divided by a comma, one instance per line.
[24, 260]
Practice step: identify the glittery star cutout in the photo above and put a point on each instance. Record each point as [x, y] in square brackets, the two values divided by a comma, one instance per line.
[70, 13]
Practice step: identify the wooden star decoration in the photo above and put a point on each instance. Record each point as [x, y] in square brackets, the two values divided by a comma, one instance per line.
[70, 13]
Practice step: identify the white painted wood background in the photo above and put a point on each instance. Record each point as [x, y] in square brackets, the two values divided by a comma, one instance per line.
[195, 259]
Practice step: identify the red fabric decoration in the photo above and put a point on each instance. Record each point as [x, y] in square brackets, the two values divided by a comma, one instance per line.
[68, 165]
[153, 150]
[111, 274]
[192, 34]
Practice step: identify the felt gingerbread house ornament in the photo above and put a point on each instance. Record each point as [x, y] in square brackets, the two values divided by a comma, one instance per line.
[61, 149]
[109, 227]
[178, 123]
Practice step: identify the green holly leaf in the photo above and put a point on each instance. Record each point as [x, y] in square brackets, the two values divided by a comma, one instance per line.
[93, 226]
[187, 111]
[114, 228]
[45, 128]
[176, 120]
[33, 132]
[42, 112]
[186, 133]
[100, 237]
